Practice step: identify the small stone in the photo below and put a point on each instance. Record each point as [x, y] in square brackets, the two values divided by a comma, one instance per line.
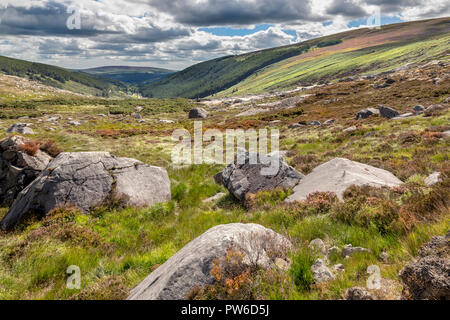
[332, 252]
[282, 264]
[358, 293]
[349, 250]
[351, 129]
[318, 245]
[387, 112]
[214, 198]
[22, 128]
[419, 109]
[198, 113]
[320, 272]
[384, 257]
[433, 179]
[339, 267]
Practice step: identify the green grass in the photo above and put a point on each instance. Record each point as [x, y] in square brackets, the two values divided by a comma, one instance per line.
[287, 74]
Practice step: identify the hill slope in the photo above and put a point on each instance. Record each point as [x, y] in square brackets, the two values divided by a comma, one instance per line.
[326, 58]
[61, 78]
[132, 75]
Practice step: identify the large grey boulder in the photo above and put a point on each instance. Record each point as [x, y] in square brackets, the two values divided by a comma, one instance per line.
[87, 180]
[428, 278]
[198, 113]
[17, 167]
[243, 177]
[339, 174]
[191, 266]
[22, 128]
[388, 113]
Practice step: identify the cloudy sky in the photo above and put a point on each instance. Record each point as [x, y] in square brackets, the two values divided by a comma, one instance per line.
[174, 34]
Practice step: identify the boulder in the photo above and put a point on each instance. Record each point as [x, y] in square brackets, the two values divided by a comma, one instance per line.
[433, 179]
[428, 277]
[434, 110]
[419, 109]
[314, 123]
[366, 113]
[17, 167]
[350, 129]
[388, 113]
[87, 180]
[358, 293]
[198, 113]
[75, 123]
[329, 121]
[339, 174]
[22, 128]
[321, 272]
[191, 266]
[243, 177]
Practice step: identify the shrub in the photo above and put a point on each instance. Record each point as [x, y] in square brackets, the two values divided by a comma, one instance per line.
[50, 148]
[321, 202]
[266, 199]
[30, 148]
[305, 163]
[233, 279]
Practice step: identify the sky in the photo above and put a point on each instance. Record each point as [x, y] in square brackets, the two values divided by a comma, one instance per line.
[175, 34]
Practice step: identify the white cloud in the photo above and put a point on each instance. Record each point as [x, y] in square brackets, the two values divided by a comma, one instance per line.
[166, 32]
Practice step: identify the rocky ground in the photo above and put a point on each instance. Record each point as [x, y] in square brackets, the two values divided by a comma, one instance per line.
[364, 185]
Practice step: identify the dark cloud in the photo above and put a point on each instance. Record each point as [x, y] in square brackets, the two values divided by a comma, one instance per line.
[42, 21]
[51, 20]
[346, 8]
[235, 12]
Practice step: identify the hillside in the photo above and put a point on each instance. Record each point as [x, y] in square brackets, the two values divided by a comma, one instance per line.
[61, 78]
[129, 74]
[361, 51]
[118, 246]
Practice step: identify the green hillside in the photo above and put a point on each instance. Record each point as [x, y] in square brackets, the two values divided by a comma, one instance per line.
[61, 78]
[132, 75]
[327, 58]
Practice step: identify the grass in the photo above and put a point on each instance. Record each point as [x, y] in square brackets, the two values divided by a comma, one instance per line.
[116, 248]
[335, 65]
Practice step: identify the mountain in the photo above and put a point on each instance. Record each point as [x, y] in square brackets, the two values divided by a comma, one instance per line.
[61, 78]
[360, 51]
[132, 75]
